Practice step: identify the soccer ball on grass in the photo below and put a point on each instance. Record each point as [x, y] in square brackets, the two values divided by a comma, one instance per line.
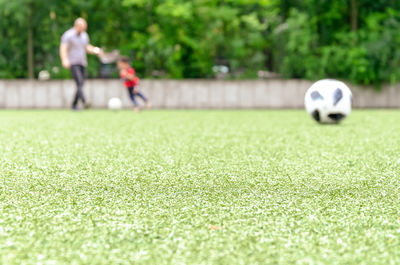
[328, 101]
[115, 104]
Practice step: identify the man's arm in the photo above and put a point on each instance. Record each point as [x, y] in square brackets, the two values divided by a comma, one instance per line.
[64, 55]
[93, 50]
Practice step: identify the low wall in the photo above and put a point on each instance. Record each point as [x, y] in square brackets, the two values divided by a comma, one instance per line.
[184, 94]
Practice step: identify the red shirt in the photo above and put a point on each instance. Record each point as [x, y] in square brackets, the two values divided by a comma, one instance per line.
[129, 83]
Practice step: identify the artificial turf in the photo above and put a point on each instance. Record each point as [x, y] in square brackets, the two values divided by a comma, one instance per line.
[198, 187]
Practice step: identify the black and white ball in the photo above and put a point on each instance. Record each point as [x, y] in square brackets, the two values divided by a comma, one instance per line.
[328, 101]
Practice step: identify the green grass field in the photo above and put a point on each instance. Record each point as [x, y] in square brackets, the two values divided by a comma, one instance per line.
[198, 187]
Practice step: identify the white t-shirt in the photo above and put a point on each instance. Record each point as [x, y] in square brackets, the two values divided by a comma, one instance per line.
[76, 46]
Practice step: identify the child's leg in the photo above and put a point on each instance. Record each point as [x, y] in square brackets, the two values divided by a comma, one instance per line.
[142, 96]
[132, 96]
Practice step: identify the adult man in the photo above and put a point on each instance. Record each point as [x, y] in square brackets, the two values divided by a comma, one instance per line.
[74, 45]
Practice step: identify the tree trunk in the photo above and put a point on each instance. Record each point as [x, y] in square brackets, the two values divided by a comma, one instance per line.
[354, 15]
[30, 41]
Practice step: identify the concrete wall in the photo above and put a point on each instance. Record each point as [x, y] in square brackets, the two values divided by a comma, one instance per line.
[185, 94]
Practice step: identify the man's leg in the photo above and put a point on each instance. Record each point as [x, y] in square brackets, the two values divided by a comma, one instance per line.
[82, 95]
[78, 73]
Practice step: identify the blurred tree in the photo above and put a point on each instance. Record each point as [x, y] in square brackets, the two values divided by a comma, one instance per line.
[354, 15]
[348, 39]
[14, 55]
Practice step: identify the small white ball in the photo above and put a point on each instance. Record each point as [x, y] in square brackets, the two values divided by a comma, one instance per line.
[44, 75]
[115, 104]
[328, 101]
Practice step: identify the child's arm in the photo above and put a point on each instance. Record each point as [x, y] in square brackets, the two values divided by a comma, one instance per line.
[130, 76]
[125, 74]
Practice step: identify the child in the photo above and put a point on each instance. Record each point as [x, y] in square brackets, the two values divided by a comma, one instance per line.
[127, 73]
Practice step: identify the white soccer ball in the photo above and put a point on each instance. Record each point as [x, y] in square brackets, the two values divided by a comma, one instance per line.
[115, 104]
[328, 101]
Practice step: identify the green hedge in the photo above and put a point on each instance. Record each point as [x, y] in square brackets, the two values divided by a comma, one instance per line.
[309, 39]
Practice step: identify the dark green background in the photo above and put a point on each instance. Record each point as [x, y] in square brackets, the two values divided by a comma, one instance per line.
[354, 40]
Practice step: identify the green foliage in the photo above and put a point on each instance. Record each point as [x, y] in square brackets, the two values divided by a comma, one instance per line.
[318, 42]
[13, 50]
[184, 39]
[300, 39]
